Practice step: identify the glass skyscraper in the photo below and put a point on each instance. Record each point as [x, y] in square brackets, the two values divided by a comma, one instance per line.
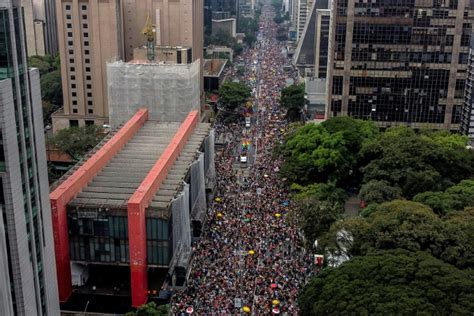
[400, 62]
[28, 283]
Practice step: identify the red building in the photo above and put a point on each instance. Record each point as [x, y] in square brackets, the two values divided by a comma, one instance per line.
[133, 207]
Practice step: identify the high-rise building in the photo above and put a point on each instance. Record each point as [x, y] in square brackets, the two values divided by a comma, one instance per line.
[41, 33]
[304, 7]
[93, 32]
[311, 55]
[467, 119]
[400, 62]
[28, 283]
[89, 36]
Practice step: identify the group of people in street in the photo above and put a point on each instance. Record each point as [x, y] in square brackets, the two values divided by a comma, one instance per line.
[250, 258]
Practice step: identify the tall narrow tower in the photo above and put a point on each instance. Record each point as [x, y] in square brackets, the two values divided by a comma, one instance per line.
[27, 267]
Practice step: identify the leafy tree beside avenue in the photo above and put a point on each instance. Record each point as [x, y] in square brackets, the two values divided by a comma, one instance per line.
[407, 225]
[292, 99]
[150, 309]
[416, 163]
[319, 205]
[455, 198]
[393, 282]
[77, 141]
[233, 94]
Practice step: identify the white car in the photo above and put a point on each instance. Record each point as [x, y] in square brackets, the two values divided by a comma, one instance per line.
[243, 159]
[247, 122]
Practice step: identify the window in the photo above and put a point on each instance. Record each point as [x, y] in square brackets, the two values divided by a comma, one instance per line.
[72, 69]
[74, 102]
[84, 7]
[70, 43]
[89, 86]
[73, 123]
[74, 111]
[89, 122]
[88, 77]
[86, 52]
[73, 86]
[84, 16]
[84, 26]
[86, 43]
[88, 69]
[86, 34]
[68, 7]
[87, 60]
[71, 52]
[69, 25]
[89, 102]
[68, 16]
[74, 94]
[71, 60]
[69, 34]
[89, 94]
[73, 77]
[91, 111]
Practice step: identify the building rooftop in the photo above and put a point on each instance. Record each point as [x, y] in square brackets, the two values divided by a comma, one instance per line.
[113, 186]
[214, 67]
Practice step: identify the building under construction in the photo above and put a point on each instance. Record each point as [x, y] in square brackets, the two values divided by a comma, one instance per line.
[132, 207]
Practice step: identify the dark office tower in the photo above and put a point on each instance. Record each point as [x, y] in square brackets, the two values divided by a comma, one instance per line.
[467, 120]
[400, 62]
[27, 267]
[228, 8]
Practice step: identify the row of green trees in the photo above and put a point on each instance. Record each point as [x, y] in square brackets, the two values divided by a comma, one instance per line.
[50, 80]
[412, 248]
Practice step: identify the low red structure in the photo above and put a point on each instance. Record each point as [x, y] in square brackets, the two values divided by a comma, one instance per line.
[67, 190]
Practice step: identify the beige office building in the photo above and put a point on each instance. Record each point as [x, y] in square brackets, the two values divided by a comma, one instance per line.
[93, 32]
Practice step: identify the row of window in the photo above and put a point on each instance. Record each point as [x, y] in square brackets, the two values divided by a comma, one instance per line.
[87, 60]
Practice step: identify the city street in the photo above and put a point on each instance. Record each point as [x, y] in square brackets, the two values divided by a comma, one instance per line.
[250, 259]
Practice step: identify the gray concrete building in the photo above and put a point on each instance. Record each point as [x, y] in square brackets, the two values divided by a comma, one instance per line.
[27, 266]
[400, 62]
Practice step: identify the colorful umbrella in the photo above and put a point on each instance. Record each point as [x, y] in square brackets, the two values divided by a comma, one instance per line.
[246, 309]
[218, 199]
[276, 310]
[275, 302]
[219, 215]
[273, 286]
[277, 215]
[190, 310]
[251, 252]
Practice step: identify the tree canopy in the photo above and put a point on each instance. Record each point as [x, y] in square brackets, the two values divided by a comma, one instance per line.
[329, 151]
[407, 225]
[233, 94]
[150, 309]
[417, 163]
[293, 96]
[455, 198]
[319, 205]
[395, 282]
[77, 141]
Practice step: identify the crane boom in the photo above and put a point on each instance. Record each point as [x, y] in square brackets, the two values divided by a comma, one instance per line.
[149, 31]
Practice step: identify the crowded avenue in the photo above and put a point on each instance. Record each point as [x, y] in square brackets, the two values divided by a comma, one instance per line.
[250, 259]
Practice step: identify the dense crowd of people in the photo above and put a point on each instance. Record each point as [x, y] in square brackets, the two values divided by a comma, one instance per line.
[250, 258]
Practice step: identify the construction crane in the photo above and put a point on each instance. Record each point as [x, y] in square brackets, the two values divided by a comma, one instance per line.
[149, 31]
